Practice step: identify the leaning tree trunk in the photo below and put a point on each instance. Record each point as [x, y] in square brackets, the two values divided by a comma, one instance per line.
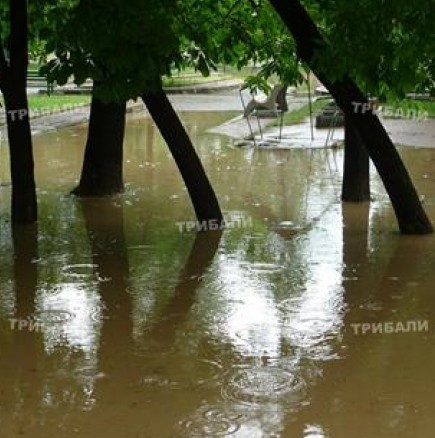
[356, 176]
[102, 172]
[13, 82]
[410, 214]
[200, 190]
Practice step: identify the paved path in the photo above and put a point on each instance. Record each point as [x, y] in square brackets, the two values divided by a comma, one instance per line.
[206, 87]
[404, 132]
[412, 133]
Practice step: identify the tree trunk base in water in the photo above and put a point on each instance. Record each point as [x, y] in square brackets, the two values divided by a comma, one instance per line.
[102, 173]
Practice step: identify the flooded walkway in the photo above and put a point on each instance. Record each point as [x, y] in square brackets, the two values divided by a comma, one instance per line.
[307, 319]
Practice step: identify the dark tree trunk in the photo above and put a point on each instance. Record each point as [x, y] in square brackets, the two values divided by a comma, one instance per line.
[201, 192]
[356, 178]
[102, 173]
[13, 82]
[410, 214]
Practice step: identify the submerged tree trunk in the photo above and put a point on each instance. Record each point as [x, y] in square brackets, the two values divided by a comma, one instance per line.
[356, 175]
[410, 214]
[13, 82]
[200, 190]
[102, 172]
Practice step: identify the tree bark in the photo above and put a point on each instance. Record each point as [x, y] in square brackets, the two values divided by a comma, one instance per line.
[102, 172]
[200, 190]
[410, 214]
[13, 82]
[356, 175]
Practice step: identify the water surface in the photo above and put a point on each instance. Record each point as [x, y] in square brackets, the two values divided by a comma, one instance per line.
[145, 331]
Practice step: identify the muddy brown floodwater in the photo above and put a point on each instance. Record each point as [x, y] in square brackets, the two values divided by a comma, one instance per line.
[306, 319]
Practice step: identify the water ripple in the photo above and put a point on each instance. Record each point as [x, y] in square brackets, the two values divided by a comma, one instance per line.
[53, 316]
[83, 270]
[210, 421]
[260, 385]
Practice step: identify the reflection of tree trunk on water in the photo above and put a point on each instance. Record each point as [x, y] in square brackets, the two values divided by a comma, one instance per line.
[358, 263]
[323, 390]
[201, 256]
[151, 171]
[362, 375]
[117, 358]
[26, 342]
[105, 227]
[355, 234]
[25, 240]
[150, 143]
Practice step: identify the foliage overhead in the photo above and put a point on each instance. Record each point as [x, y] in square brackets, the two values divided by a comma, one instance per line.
[128, 45]
[386, 46]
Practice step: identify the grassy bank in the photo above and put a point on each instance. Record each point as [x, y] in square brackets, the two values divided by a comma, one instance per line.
[56, 102]
[43, 102]
[400, 108]
[412, 105]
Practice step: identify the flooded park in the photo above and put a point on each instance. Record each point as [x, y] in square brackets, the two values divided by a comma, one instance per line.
[307, 318]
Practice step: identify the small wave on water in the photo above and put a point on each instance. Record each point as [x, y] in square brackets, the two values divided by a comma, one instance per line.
[83, 270]
[210, 421]
[261, 385]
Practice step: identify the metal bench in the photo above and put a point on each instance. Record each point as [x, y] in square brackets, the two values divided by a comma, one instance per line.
[34, 78]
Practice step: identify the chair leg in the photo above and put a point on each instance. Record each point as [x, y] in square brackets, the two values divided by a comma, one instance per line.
[249, 108]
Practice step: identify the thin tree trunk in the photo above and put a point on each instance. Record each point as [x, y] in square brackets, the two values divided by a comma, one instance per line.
[13, 82]
[356, 175]
[410, 214]
[201, 192]
[102, 172]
